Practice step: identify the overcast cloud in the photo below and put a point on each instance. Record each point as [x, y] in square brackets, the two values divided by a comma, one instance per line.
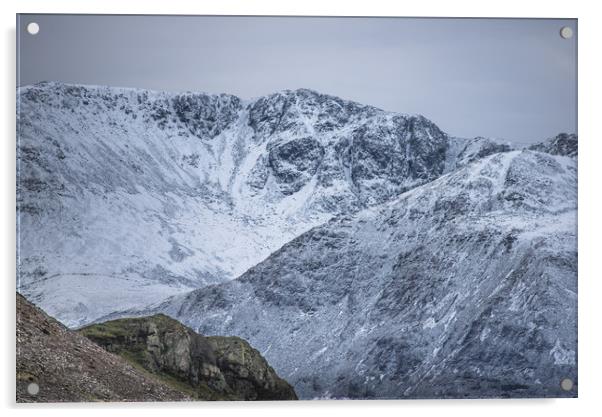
[512, 79]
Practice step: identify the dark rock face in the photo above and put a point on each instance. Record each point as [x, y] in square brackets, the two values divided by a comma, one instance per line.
[376, 157]
[295, 162]
[206, 116]
[280, 112]
[70, 368]
[387, 157]
[246, 372]
[563, 144]
[215, 368]
[478, 148]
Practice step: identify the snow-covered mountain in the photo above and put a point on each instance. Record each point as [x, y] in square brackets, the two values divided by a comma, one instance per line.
[365, 253]
[128, 196]
[465, 286]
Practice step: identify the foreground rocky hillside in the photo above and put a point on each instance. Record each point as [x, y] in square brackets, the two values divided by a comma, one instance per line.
[67, 367]
[145, 359]
[127, 196]
[216, 368]
[463, 287]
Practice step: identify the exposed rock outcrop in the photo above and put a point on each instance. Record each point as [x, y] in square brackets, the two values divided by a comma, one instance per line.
[562, 144]
[216, 368]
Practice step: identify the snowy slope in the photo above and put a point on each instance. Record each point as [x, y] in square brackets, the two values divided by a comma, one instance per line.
[128, 196]
[465, 286]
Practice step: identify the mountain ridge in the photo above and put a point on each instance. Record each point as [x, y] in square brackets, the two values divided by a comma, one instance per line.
[148, 189]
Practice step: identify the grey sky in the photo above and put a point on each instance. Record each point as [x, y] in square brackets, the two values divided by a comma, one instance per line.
[512, 79]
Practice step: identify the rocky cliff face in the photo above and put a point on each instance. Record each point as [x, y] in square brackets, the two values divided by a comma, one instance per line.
[562, 144]
[466, 151]
[146, 191]
[463, 287]
[215, 368]
[67, 367]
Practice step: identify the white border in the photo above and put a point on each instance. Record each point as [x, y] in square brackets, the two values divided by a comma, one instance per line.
[590, 213]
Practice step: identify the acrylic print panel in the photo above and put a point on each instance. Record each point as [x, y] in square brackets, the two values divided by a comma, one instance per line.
[282, 208]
